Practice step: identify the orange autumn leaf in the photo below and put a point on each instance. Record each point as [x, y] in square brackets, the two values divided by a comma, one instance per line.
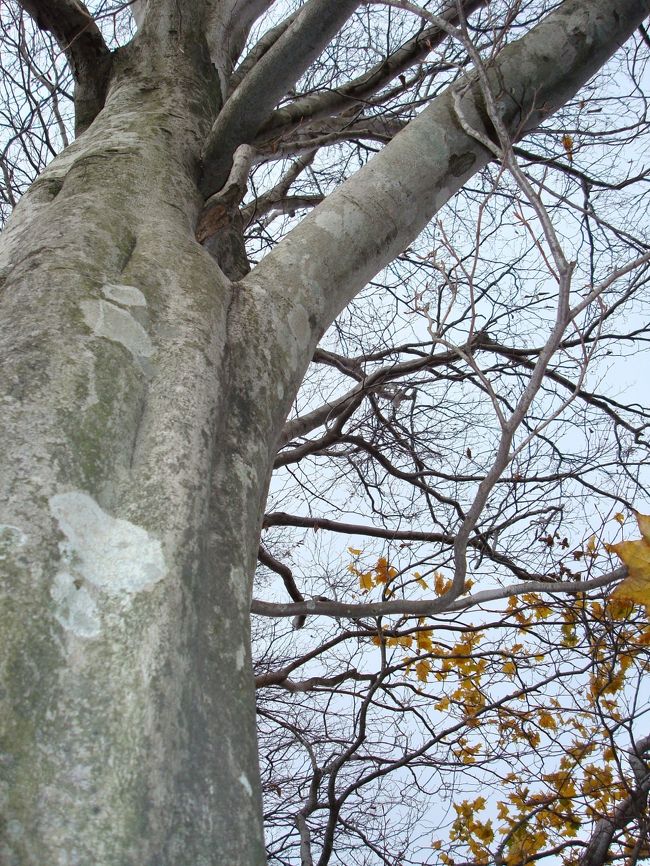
[636, 556]
[365, 581]
[567, 143]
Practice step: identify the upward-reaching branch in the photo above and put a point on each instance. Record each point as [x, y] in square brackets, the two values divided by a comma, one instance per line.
[597, 852]
[374, 215]
[79, 37]
[276, 72]
[328, 102]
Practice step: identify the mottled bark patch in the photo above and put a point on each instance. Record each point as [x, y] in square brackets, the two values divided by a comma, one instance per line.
[114, 323]
[101, 554]
[460, 163]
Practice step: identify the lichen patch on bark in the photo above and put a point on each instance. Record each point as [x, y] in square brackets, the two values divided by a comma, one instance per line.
[111, 554]
[115, 323]
[75, 608]
[126, 296]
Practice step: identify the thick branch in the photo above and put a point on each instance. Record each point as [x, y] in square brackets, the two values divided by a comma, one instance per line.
[275, 73]
[258, 51]
[374, 215]
[326, 103]
[279, 678]
[227, 27]
[633, 806]
[79, 37]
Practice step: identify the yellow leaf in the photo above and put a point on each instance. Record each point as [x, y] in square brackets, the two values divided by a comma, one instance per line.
[365, 581]
[547, 720]
[422, 582]
[591, 544]
[567, 144]
[383, 572]
[354, 551]
[440, 585]
[636, 556]
[509, 668]
[422, 670]
[619, 517]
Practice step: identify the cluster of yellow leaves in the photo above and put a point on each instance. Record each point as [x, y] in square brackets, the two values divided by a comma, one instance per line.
[533, 820]
[380, 574]
[528, 608]
[477, 834]
[586, 782]
[424, 644]
[636, 556]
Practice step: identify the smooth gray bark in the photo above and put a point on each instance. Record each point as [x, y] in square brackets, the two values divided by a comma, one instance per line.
[276, 71]
[143, 395]
[374, 216]
[125, 649]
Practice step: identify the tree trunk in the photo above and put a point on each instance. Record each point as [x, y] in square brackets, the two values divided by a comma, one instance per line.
[128, 711]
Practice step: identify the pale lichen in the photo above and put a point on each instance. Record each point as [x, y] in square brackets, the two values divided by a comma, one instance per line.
[100, 554]
[127, 296]
[114, 323]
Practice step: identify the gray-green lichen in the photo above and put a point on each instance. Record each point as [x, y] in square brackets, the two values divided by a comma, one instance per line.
[115, 323]
[100, 554]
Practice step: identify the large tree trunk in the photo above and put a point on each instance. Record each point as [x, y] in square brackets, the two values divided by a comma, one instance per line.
[128, 712]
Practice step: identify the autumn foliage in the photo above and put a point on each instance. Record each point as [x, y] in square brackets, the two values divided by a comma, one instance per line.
[535, 707]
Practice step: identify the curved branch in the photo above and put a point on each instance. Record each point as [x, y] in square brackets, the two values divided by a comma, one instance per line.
[80, 39]
[329, 102]
[283, 570]
[368, 220]
[428, 607]
[278, 678]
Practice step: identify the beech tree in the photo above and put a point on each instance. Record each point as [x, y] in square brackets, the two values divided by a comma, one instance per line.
[380, 247]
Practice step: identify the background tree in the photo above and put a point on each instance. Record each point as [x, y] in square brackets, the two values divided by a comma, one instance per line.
[454, 428]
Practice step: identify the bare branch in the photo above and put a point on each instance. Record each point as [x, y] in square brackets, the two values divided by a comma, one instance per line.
[80, 39]
[277, 70]
[429, 607]
[330, 102]
[385, 204]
